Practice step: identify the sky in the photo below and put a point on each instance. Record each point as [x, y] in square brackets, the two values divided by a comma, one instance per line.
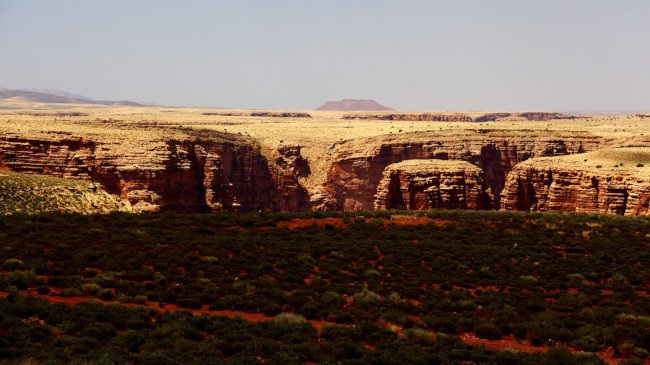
[553, 55]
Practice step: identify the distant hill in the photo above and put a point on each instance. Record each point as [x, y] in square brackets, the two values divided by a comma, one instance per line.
[58, 97]
[349, 105]
[57, 93]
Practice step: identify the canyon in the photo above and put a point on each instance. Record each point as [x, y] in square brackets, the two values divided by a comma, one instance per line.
[206, 161]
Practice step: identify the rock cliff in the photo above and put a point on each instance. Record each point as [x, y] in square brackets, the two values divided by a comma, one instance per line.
[288, 167]
[460, 117]
[172, 163]
[219, 172]
[358, 165]
[432, 184]
[608, 181]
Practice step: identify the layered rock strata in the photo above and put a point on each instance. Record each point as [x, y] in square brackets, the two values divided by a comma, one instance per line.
[460, 117]
[431, 117]
[358, 165]
[288, 167]
[432, 184]
[194, 174]
[607, 181]
[262, 114]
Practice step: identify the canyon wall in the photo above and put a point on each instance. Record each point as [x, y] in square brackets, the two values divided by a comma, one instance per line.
[465, 169]
[432, 184]
[222, 173]
[459, 117]
[358, 165]
[581, 184]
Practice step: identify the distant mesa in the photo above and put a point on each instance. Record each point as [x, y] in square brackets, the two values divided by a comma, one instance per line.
[52, 96]
[349, 105]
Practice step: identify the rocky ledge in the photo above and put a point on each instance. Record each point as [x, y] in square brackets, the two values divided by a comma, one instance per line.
[607, 181]
[432, 184]
[460, 117]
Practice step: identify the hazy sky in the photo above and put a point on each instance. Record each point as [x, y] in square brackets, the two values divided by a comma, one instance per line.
[563, 55]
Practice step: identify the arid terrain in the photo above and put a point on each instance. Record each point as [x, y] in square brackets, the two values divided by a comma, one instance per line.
[207, 160]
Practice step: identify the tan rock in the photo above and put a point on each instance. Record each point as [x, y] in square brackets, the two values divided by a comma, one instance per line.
[358, 165]
[432, 184]
[605, 181]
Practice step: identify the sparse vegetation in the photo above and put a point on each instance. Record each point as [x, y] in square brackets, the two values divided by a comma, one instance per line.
[462, 272]
[26, 193]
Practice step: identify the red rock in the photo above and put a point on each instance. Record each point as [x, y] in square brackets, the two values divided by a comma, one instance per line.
[432, 184]
[358, 166]
[352, 105]
[571, 184]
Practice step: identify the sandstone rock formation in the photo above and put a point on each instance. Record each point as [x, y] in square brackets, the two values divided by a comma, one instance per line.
[460, 117]
[608, 181]
[352, 105]
[432, 184]
[289, 166]
[195, 174]
[261, 114]
[165, 162]
[434, 117]
[358, 165]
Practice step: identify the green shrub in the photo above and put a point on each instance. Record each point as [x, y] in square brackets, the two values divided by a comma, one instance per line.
[420, 336]
[90, 289]
[488, 331]
[70, 292]
[141, 299]
[588, 343]
[12, 264]
[106, 294]
[366, 298]
[332, 298]
[289, 320]
[632, 361]
[640, 352]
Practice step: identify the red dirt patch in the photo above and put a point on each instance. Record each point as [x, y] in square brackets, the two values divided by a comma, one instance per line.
[306, 222]
[506, 343]
[339, 223]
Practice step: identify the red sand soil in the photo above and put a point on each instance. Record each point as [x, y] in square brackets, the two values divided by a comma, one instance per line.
[306, 222]
[338, 222]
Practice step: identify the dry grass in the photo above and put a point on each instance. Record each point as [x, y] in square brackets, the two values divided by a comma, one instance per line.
[631, 161]
[26, 193]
